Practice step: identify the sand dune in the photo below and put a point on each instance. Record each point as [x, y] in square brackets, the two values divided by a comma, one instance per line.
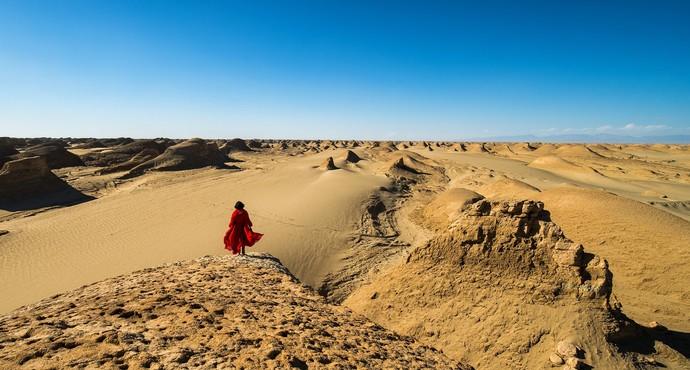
[575, 150]
[508, 188]
[345, 216]
[304, 212]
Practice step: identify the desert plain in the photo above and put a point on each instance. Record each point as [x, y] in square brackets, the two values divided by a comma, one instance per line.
[490, 255]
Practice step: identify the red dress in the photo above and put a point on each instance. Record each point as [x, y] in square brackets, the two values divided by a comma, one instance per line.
[240, 232]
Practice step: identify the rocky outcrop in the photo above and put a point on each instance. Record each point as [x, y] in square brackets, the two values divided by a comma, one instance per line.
[328, 164]
[55, 154]
[29, 180]
[139, 158]
[193, 153]
[255, 144]
[235, 145]
[415, 168]
[121, 154]
[499, 288]
[352, 157]
[213, 312]
[91, 143]
[7, 150]
[518, 238]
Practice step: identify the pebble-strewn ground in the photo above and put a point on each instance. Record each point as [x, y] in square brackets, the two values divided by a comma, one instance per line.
[213, 312]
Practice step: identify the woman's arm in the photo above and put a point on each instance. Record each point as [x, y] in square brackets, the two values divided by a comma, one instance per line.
[233, 219]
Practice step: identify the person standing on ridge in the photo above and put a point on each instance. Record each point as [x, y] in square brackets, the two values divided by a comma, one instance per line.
[240, 233]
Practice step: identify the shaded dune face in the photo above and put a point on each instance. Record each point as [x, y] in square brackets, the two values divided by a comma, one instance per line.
[55, 154]
[28, 183]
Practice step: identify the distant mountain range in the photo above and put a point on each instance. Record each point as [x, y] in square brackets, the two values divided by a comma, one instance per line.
[584, 138]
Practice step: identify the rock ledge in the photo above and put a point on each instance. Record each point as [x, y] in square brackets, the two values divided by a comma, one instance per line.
[212, 312]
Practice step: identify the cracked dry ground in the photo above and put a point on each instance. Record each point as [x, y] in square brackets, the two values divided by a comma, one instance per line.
[214, 312]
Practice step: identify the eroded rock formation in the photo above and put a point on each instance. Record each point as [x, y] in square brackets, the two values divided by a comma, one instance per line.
[55, 154]
[499, 288]
[120, 155]
[30, 180]
[193, 153]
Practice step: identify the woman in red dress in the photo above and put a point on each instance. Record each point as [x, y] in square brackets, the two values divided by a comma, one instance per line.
[240, 232]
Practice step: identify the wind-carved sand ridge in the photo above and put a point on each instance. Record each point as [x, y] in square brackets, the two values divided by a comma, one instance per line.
[390, 229]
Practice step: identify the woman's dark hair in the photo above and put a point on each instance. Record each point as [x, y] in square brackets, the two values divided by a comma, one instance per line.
[239, 205]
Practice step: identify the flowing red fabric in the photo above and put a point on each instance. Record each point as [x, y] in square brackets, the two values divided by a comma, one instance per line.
[240, 232]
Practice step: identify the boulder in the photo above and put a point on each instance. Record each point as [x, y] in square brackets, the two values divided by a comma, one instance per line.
[555, 360]
[573, 363]
[566, 349]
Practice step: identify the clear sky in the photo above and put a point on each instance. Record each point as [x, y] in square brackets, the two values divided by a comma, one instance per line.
[343, 69]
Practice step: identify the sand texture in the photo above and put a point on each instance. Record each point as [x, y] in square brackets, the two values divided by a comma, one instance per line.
[495, 253]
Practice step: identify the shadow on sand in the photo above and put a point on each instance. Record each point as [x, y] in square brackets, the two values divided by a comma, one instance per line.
[64, 197]
[641, 339]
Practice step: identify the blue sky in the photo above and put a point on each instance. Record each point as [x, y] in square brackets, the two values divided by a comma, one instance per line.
[344, 69]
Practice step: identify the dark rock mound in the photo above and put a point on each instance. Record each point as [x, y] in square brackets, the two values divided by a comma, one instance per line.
[255, 144]
[141, 157]
[328, 165]
[55, 154]
[28, 183]
[7, 150]
[124, 153]
[235, 145]
[190, 154]
[103, 143]
[352, 157]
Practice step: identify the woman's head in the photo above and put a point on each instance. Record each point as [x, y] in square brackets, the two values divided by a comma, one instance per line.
[239, 205]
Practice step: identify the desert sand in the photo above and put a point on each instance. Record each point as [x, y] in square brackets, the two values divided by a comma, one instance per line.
[385, 229]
